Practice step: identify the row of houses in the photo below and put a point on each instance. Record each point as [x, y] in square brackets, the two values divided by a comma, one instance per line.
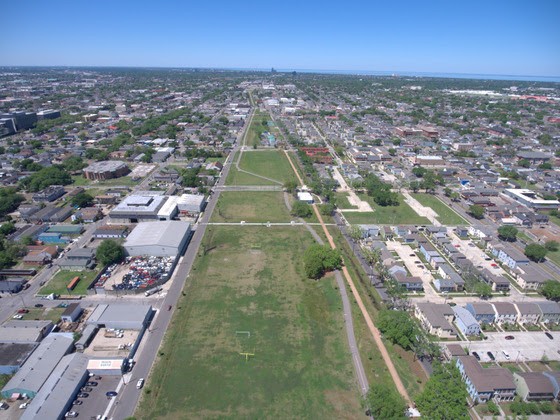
[498, 383]
[441, 319]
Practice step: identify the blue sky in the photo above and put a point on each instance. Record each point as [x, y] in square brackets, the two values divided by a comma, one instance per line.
[485, 37]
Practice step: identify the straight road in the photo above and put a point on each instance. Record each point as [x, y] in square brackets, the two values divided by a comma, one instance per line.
[127, 399]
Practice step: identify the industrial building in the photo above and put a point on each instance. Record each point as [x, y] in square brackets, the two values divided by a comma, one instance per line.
[106, 169]
[532, 200]
[51, 193]
[126, 317]
[25, 331]
[71, 313]
[138, 208]
[13, 356]
[56, 395]
[191, 204]
[38, 367]
[158, 239]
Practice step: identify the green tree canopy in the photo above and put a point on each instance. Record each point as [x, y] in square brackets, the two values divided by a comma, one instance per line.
[82, 199]
[483, 289]
[318, 259]
[551, 290]
[52, 175]
[9, 200]
[535, 252]
[477, 211]
[551, 246]
[384, 402]
[508, 233]
[445, 395]
[301, 209]
[398, 327]
[109, 252]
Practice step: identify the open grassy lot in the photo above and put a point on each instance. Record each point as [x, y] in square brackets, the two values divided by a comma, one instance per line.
[51, 314]
[235, 177]
[251, 206]
[447, 216]
[257, 128]
[402, 214]
[342, 201]
[270, 163]
[61, 279]
[301, 366]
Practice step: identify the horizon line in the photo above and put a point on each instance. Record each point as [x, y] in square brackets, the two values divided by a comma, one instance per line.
[408, 73]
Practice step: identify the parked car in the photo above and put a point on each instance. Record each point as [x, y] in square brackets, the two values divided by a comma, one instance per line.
[505, 354]
[86, 389]
[18, 316]
[71, 414]
[509, 337]
[83, 395]
[77, 402]
[23, 311]
[39, 305]
[92, 383]
[4, 406]
[111, 394]
[418, 262]
[471, 244]
[140, 383]
[412, 255]
[549, 335]
[491, 356]
[169, 307]
[476, 356]
[24, 405]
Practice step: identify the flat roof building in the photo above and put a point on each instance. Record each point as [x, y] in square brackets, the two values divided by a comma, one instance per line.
[190, 204]
[56, 396]
[531, 199]
[14, 355]
[158, 239]
[106, 169]
[138, 208]
[35, 371]
[126, 317]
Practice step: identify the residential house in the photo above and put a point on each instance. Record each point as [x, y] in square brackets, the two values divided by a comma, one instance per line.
[528, 313]
[505, 312]
[484, 384]
[555, 380]
[462, 231]
[436, 319]
[429, 251]
[534, 386]
[40, 255]
[550, 312]
[530, 277]
[452, 351]
[466, 321]
[512, 257]
[410, 284]
[482, 312]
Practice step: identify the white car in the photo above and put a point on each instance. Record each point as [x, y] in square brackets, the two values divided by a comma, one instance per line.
[24, 405]
[18, 316]
[140, 383]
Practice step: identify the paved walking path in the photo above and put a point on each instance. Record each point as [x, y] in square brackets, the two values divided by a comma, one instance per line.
[374, 331]
[421, 210]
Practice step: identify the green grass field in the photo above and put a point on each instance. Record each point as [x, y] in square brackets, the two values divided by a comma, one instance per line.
[447, 216]
[342, 201]
[51, 314]
[257, 128]
[402, 214]
[61, 279]
[251, 206]
[270, 163]
[251, 279]
[235, 177]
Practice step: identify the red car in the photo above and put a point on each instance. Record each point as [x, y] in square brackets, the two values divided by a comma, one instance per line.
[509, 337]
[23, 311]
[494, 265]
[169, 308]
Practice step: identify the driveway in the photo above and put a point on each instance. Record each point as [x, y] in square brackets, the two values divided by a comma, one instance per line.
[404, 252]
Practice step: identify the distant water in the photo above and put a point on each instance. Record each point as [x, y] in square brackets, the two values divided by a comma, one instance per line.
[425, 74]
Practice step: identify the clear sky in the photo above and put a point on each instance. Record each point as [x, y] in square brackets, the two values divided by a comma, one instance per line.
[510, 37]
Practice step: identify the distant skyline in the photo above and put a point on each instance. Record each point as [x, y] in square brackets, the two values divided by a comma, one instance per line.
[477, 37]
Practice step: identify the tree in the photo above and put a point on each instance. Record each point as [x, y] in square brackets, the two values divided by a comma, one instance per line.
[551, 246]
[447, 191]
[524, 163]
[414, 186]
[355, 232]
[398, 327]
[9, 200]
[82, 199]
[52, 175]
[477, 211]
[455, 196]
[7, 228]
[301, 209]
[290, 186]
[535, 252]
[392, 151]
[419, 171]
[318, 259]
[27, 240]
[508, 233]
[109, 252]
[483, 289]
[445, 394]
[551, 290]
[327, 209]
[384, 402]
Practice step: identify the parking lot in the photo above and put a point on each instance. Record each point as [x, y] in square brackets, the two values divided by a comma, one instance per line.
[136, 273]
[97, 401]
[476, 255]
[525, 347]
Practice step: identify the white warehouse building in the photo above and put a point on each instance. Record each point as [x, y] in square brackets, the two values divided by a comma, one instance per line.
[158, 239]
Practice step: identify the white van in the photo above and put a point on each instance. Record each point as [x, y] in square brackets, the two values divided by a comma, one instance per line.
[140, 383]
